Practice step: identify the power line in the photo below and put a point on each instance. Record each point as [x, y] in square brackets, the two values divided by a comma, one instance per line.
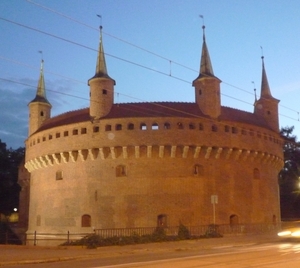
[121, 59]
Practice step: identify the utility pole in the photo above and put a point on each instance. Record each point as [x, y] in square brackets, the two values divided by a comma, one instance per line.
[214, 201]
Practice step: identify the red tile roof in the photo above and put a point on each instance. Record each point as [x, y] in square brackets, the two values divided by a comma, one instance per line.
[154, 109]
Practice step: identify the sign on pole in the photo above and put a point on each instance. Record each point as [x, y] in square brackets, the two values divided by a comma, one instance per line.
[214, 201]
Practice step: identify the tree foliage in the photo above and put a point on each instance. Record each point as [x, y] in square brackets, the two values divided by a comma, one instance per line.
[289, 175]
[9, 187]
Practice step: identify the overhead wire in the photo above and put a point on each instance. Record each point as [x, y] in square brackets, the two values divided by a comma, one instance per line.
[139, 65]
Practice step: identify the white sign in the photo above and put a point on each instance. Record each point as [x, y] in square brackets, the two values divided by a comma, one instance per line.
[214, 199]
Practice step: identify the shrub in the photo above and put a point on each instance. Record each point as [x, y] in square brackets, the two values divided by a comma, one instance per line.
[159, 235]
[183, 232]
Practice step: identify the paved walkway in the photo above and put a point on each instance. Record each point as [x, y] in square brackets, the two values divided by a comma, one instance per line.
[11, 254]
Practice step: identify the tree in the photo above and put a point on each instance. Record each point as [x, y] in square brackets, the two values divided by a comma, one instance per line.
[9, 187]
[289, 175]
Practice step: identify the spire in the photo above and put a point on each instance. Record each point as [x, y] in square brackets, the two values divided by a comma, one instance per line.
[101, 70]
[265, 89]
[41, 90]
[205, 65]
[206, 69]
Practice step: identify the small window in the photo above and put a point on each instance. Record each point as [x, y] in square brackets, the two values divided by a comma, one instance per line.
[59, 175]
[75, 131]
[66, 133]
[96, 129]
[167, 125]
[118, 127]
[38, 140]
[226, 128]
[214, 128]
[268, 112]
[198, 170]
[256, 174]
[57, 135]
[201, 126]
[50, 137]
[234, 130]
[200, 92]
[83, 131]
[233, 220]
[179, 125]
[162, 220]
[86, 220]
[42, 113]
[38, 220]
[154, 126]
[130, 126]
[191, 126]
[121, 171]
[244, 132]
[104, 92]
[143, 126]
[44, 138]
[108, 128]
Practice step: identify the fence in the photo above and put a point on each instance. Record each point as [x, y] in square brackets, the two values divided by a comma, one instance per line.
[37, 238]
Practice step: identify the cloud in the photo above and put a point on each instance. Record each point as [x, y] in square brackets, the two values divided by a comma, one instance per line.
[14, 98]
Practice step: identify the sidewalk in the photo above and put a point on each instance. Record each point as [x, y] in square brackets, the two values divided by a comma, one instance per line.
[11, 254]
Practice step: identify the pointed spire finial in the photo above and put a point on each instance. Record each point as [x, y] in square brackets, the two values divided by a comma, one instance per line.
[265, 88]
[255, 97]
[41, 89]
[203, 26]
[101, 70]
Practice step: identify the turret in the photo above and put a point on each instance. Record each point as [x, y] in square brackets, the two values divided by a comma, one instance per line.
[207, 86]
[39, 107]
[267, 106]
[101, 87]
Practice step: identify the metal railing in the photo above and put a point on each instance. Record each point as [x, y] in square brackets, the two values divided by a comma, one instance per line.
[36, 238]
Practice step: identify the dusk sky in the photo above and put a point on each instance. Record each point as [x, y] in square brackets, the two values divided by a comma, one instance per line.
[152, 50]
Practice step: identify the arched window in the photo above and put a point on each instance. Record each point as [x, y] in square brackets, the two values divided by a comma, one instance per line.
[179, 125]
[233, 220]
[108, 128]
[118, 127]
[130, 126]
[86, 220]
[256, 174]
[121, 171]
[234, 130]
[191, 126]
[154, 126]
[59, 175]
[38, 220]
[167, 125]
[143, 126]
[162, 220]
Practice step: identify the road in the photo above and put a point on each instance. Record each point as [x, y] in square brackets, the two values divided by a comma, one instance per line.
[275, 255]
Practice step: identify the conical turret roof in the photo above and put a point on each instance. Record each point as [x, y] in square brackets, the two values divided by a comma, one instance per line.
[206, 69]
[41, 90]
[265, 88]
[101, 69]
